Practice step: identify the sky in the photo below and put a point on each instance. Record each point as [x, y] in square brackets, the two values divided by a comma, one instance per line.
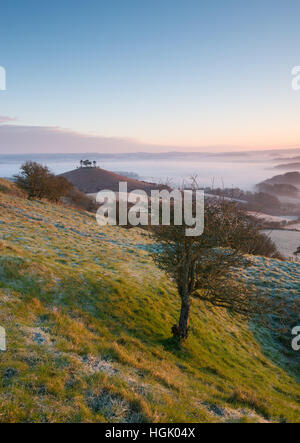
[134, 75]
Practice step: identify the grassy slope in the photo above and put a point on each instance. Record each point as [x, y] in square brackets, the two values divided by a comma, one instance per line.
[88, 319]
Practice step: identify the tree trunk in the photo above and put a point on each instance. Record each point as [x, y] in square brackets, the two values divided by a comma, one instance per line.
[185, 271]
[181, 331]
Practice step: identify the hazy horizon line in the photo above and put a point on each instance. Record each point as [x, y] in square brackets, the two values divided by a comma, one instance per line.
[21, 139]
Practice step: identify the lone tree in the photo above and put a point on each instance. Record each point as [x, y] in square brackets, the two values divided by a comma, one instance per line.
[204, 267]
[38, 182]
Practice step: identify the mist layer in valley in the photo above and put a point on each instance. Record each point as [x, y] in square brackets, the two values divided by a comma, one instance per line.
[232, 169]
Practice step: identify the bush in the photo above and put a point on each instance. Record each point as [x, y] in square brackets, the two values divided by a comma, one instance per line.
[39, 183]
[80, 201]
[250, 240]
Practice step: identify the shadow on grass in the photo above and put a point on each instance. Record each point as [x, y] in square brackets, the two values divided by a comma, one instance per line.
[277, 347]
[171, 344]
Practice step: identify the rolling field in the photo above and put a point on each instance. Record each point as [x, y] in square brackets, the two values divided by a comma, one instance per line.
[88, 318]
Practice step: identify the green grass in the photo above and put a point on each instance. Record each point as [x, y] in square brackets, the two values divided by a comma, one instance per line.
[88, 318]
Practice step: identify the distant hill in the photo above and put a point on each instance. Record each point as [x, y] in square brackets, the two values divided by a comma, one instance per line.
[92, 180]
[288, 166]
[290, 178]
[279, 189]
[284, 159]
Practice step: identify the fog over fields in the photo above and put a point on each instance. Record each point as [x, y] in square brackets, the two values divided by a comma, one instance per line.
[231, 169]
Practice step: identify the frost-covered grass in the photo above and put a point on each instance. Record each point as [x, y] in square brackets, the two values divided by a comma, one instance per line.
[88, 318]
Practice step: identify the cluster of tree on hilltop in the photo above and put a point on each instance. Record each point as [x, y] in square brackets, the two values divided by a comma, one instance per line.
[88, 164]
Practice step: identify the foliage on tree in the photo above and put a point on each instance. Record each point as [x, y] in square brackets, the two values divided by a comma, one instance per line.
[206, 266]
[39, 183]
[88, 164]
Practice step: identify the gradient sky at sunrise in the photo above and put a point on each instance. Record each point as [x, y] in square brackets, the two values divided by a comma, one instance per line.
[179, 73]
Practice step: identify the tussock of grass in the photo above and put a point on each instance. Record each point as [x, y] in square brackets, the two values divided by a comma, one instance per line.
[252, 400]
[8, 187]
[88, 318]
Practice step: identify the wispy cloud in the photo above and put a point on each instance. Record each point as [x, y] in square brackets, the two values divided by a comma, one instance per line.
[21, 139]
[17, 139]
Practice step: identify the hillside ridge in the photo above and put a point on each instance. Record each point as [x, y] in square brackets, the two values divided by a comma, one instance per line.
[92, 180]
[88, 318]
